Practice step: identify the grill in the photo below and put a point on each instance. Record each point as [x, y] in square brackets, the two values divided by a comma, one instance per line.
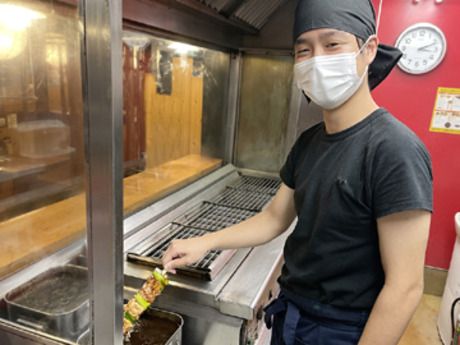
[214, 217]
[206, 268]
[242, 199]
[236, 203]
[257, 184]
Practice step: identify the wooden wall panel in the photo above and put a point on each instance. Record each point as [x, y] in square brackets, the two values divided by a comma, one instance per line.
[173, 122]
[196, 107]
[135, 65]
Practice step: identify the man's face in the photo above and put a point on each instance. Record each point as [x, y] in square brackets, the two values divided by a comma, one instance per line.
[331, 42]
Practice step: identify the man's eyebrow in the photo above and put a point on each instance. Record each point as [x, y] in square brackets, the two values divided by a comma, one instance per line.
[323, 35]
[332, 33]
[301, 40]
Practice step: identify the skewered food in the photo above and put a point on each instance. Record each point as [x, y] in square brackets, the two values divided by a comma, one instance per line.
[151, 289]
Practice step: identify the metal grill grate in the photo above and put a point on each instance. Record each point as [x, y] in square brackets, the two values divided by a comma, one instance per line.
[213, 217]
[257, 184]
[176, 232]
[242, 199]
[235, 204]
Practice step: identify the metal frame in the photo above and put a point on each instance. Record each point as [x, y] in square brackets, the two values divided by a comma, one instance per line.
[102, 66]
[233, 107]
[175, 18]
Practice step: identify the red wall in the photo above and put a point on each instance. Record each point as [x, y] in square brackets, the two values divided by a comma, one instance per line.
[411, 99]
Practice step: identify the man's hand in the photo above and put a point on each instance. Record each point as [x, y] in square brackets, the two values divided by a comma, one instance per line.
[184, 252]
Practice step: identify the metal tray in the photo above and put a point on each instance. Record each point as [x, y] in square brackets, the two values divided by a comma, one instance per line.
[149, 331]
[55, 302]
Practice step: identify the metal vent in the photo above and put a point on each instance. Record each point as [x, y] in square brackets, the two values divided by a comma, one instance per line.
[213, 217]
[257, 12]
[242, 199]
[253, 12]
[257, 184]
[217, 5]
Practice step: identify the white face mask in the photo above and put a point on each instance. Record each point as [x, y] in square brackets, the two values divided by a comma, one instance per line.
[329, 80]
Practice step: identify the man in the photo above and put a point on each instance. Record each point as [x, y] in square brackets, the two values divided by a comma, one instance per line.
[360, 184]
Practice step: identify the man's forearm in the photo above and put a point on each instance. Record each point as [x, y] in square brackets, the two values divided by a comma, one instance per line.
[255, 231]
[390, 315]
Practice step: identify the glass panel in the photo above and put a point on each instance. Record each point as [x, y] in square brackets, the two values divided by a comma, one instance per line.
[174, 112]
[42, 198]
[264, 112]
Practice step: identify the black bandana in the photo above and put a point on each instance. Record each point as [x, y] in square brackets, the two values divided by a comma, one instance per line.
[356, 17]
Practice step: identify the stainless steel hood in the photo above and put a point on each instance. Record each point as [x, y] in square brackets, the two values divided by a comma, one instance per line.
[255, 13]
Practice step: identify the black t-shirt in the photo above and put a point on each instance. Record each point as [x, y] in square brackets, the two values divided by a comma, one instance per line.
[343, 182]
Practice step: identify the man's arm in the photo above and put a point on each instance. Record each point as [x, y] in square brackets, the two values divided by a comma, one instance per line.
[260, 229]
[403, 238]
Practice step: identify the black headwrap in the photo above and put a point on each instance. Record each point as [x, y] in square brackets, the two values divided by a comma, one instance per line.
[356, 17]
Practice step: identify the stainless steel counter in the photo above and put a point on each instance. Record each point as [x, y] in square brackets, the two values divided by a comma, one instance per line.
[228, 309]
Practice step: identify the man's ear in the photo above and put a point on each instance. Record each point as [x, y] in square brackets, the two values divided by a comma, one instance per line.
[371, 49]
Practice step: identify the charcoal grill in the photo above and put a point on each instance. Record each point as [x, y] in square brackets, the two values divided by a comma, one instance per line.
[206, 268]
[238, 202]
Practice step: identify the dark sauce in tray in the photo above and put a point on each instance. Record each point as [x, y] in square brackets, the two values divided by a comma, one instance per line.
[151, 330]
[60, 293]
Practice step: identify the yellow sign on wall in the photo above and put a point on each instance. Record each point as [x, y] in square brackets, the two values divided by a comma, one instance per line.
[446, 113]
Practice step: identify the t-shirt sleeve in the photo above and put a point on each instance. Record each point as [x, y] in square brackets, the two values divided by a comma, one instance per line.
[402, 177]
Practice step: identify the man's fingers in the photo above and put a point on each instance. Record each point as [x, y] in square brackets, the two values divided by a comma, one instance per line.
[173, 264]
[171, 253]
[168, 256]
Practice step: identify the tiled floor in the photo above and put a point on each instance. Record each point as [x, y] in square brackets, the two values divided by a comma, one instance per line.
[422, 329]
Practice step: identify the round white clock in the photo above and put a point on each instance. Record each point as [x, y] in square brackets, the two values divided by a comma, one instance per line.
[424, 47]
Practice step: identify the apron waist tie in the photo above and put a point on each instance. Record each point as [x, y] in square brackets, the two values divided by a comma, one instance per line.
[291, 319]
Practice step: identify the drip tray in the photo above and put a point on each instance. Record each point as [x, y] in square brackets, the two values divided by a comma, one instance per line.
[206, 269]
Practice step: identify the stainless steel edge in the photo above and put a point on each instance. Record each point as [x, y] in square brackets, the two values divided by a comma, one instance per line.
[258, 173]
[103, 97]
[236, 298]
[233, 106]
[15, 334]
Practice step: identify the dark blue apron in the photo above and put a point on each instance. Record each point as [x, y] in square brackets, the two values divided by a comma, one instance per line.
[296, 320]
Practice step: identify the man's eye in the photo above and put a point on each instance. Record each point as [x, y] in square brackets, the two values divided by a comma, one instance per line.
[332, 45]
[303, 52]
